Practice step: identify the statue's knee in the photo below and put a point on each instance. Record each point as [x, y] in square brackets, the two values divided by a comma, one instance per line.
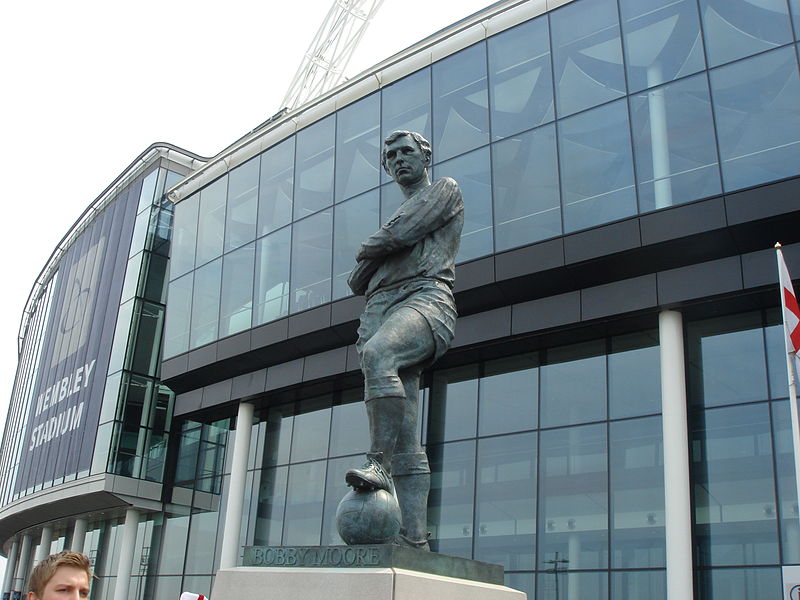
[374, 358]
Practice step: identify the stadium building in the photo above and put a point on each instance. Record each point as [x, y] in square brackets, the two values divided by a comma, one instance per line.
[612, 420]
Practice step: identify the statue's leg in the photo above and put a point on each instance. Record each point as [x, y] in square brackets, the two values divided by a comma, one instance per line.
[410, 469]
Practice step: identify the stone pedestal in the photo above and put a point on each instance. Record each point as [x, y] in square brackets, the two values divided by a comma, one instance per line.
[334, 583]
[382, 572]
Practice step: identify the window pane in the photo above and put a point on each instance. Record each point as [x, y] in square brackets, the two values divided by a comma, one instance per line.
[662, 41]
[574, 497]
[460, 103]
[275, 187]
[272, 276]
[509, 395]
[474, 177]
[526, 196]
[311, 261]
[637, 494]
[349, 426]
[173, 543]
[596, 167]
[184, 236]
[313, 188]
[726, 360]
[505, 503]
[358, 147]
[240, 224]
[271, 506]
[306, 488]
[587, 55]
[202, 532]
[211, 223]
[634, 375]
[147, 191]
[776, 360]
[738, 28]
[573, 385]
[757, 118]
[633, 585]
[787, 484]
[236, 303]
[752, 584]
[354, 221]
[674, 145]
[176, 328]
[391, 199]
[277, 441]
[450, 505]
[521, 78]
[734, 488]
[453, 407]
[312, 425]
[335, 490]
[205, 304]
[577, 586]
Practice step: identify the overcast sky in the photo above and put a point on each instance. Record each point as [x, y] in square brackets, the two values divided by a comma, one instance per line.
[88, 85]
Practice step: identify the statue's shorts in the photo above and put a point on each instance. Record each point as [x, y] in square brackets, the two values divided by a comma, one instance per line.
[431, 298]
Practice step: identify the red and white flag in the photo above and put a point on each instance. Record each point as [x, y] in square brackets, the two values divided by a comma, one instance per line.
[791, 309]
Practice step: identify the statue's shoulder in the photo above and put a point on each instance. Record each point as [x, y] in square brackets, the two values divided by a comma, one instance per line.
[446, 185]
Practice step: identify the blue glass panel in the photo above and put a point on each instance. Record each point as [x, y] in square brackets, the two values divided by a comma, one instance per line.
[738, 28]
[451, 499]
[205, 304]
[184, 236]
[236, 302]
[460, 103]
[634, 585]
[240, 217]
[474, 177]
[357, 147]
[752, 584]
[391, 199]
[573, 505]
[555, 583]
[787, 484]
[674, 144]
[313, 185]
[573, 384]
[526, 191]
[275, 187]
[453, 404]
[509, 395]
[734, 486]
[211, 221]
[794, 5]
[354, 221]
[634, 375]
[311, 261]
[662, 41]
[587, 55]
[758, 124]
[176, 328]
[304, 503]
[271, 288]
[596, 167]
[520, 78]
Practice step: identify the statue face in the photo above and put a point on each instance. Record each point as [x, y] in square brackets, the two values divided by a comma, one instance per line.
[405, 161]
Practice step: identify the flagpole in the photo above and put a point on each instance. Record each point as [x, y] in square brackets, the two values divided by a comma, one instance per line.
[790, 371]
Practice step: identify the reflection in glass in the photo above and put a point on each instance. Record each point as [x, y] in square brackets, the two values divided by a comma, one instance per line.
[312, 424]
[311, 261]
[509, 395]
[354, 221]
[738, 28]
[406, 104]
[236, 303]
[521, 78]
[357, 147]
[596, 166]
[633, 585]
[758, 124]
[271, 505]
[306, 488]
[277, 441]
[453, 406]
[558, 585]
[505, 501]
[275, 187]
[637, 493]
[473, 175]
[205, 304]
[674, 145]
[526, 192]
[450, 513]
[349, 427]
[313, 187]
[148, 190]
[184, 236]
[460, 103]
[734, 487]
[573, 384]
[776, 356]
[391, 199]
[787, 484]
[240, 218]
[202, 532]
[634, 375]
[176, 328]
[752, 584]
[573, 509]
[272, 276]
[587, 55]
[211, 221]
[662, 41]
[175, 530]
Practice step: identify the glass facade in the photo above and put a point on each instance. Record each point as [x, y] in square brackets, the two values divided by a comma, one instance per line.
[594, 112]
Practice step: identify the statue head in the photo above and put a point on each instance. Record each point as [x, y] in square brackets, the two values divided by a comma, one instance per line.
[423, 147]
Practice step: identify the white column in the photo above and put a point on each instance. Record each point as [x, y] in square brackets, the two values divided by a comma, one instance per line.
[677, 500]
[659, 138]
[78, 535]
[44, 544]
[233, 513]
[125, 565]
[11, 563]
[22, 563]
